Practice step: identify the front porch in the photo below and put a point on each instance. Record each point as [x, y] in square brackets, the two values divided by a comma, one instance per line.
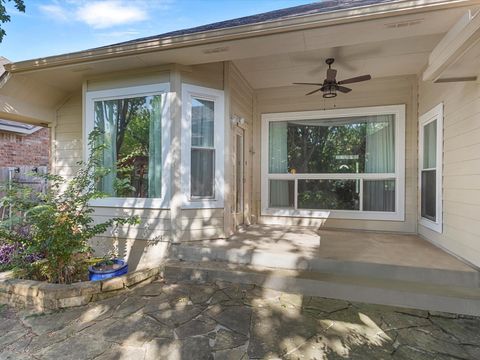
[383, 268]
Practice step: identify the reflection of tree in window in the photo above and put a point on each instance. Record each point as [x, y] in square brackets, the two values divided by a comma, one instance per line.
[131, 129]
[322, 149]
[356, 145]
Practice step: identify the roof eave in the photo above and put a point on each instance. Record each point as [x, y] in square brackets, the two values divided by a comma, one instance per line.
[244, 31]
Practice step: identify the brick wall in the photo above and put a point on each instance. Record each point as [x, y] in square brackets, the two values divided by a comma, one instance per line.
[21, 150]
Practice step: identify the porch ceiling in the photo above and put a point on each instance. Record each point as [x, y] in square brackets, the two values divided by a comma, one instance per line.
[380, 59]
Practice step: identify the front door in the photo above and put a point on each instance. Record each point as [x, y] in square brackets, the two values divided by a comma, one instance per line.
[239, 176]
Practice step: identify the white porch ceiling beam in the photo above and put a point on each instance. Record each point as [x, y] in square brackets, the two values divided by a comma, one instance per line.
[462, 38]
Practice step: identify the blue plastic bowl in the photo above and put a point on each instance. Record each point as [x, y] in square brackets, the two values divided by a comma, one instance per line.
[95, 275]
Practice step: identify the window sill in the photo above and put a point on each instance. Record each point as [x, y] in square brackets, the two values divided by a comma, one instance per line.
[336, 214]
[139, 203]
[429, 224]
[203, 204]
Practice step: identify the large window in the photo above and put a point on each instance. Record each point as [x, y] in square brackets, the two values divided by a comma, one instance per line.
[430, 168]
[133, 122]
[202, 146]
[339, 163]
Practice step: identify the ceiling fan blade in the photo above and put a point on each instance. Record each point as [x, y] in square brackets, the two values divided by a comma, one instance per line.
[343, 89]
[313, 92]
[308, 84]
[355, 79]
[331, 74]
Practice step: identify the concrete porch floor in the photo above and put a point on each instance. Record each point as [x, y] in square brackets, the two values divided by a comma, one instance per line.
[380, 255]
[381, 268]
[341, 245]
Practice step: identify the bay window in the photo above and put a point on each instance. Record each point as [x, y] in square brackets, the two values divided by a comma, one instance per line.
[339, 163]
[134, 124]
[202, 147]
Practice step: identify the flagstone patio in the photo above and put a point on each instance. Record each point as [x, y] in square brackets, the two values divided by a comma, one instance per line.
[228, 321]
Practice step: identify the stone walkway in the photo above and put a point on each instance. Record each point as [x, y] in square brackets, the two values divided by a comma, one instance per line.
[226, 321]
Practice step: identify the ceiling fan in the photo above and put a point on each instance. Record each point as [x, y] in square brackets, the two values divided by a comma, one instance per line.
[330, 85]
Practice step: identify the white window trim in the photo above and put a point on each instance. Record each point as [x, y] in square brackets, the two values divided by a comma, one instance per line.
[434, 114]
[399, 175]
[88, 125]
[217, 96]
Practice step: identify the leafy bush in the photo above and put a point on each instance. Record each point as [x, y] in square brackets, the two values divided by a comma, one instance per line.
[7, 254]
[60, 220]
[14, 255]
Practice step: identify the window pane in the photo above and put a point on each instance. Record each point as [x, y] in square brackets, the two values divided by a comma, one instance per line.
[328, 194]
[282, 193]
[202, 172]
[131, 129]
[379, 195]
[430, 145]
[429, 194]
[278, 151]
[339, 145]
[202, 123]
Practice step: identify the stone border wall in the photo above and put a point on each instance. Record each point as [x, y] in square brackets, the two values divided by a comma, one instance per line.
[43, 296]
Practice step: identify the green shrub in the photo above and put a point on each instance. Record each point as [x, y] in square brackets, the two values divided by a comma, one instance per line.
[59, 221]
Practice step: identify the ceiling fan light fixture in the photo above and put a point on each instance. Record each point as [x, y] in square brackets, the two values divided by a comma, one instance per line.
[331, 93]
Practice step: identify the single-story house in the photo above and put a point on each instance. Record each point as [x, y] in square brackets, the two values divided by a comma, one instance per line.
[213, 127]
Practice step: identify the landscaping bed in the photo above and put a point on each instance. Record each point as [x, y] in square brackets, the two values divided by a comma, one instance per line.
[44, 296]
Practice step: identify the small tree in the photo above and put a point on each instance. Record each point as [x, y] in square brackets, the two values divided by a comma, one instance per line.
[60, 221]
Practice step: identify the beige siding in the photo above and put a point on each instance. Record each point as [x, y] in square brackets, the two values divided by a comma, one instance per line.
[201, 224]
[133, 79]
[208, 75]
[461, 162]
[67, 141]
[383, 91]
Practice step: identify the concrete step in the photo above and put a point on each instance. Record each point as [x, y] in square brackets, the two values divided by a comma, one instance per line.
[353, 288]
[292, 261]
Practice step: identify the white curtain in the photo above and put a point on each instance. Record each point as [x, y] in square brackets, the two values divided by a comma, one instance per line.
[278, 163]
[105, 120]
[380, 145]
[379, 195]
